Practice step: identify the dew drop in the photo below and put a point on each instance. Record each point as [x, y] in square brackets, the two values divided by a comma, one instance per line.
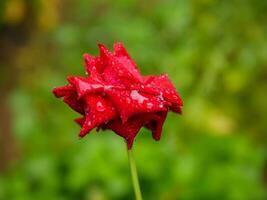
[108, 87]
[138, 97]
[149, 105]
[100, 107]
[160, 96]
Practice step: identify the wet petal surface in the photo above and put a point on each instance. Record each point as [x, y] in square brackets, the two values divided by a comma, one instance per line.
[116, 96]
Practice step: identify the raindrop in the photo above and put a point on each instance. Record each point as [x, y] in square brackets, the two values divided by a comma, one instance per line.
[160, 96]
[138, 97]
[96, 86]
[100, 107]
[149, 105]
[108, 87]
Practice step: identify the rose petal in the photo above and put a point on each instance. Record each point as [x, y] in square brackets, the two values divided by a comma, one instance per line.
[72, 100]
[85, 86]
[126, 130]
[156, 124]
[80, 120]
[98, 111]
[90, 62]
[129, 103]
[165, 88]
[62, 91]
[129, 129]
[125, 60]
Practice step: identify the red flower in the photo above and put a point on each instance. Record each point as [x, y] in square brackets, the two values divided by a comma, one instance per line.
[116, 96]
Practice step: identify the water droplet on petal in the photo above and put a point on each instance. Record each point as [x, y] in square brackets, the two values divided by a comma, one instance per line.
[160, 96]
[149, 105]
[108, 87]
[138, 97]
[100, 107]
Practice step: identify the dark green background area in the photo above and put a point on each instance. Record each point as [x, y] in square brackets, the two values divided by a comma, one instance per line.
[215, 52]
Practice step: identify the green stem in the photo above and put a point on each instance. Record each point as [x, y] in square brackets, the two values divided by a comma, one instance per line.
[134, 175]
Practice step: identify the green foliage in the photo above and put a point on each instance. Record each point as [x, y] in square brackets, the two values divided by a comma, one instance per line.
[215, 53]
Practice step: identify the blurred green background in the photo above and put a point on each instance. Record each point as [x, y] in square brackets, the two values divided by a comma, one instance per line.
[215, 52]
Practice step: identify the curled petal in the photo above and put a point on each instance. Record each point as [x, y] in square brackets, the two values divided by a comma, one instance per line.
[126, 130]
[129, 103]
[98, 111]
[120, 69]
[90, 62]
[80, 120]
[85, 85]
[62, 91]
[72, 100]
[156, 124]
[104, 53]
[104, 58]
[164, 87]
[70, 97]
[120, 51]
[125, 60]
[129, 129]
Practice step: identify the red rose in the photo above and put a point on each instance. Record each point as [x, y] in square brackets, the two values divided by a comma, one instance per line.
[116, 96]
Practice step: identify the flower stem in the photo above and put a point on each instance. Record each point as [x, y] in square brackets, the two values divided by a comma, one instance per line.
[134, 175]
